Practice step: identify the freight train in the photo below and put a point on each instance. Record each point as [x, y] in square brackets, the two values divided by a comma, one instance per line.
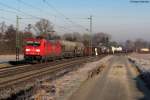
[41, 49]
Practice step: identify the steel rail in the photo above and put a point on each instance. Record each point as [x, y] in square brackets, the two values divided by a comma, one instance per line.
[48, 69]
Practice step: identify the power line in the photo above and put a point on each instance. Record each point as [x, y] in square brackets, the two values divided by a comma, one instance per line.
[64, 28]
[10, 7]
[29, 5]
[49, 5]
[32, 6]
[14, 12]
[6, 19]
[19, 11]
[9, 11]
[60, 13]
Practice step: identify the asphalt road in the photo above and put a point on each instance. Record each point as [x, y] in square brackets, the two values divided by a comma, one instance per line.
[118, 81]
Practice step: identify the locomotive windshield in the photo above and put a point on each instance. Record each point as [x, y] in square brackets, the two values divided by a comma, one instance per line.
[33, 43]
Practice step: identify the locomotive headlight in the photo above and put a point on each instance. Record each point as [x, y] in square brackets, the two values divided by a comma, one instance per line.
[37, 50]
[27, 50]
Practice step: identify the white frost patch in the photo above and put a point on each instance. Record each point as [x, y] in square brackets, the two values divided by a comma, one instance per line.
[142, 60]
[65, 86]
[6, 58]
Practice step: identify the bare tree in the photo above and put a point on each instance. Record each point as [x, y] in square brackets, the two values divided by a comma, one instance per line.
[129, 45]
[77, 36]
[9, 38]
[101, 38]
[86, 38]
[3, 27]
[27, 31]
[44, 26]
[28, 28]
[140, 43]
[68, 37]
[1, 35]
[113, 43]
[10, 33]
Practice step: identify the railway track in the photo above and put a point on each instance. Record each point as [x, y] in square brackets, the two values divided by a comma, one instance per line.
[8, 71]
[16, 75]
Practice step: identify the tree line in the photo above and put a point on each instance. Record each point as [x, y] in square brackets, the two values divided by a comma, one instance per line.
[44, 26]
[137, 44]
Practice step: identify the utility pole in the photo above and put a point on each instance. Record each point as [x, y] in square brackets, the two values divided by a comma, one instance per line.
[17, 38]
[90, 41]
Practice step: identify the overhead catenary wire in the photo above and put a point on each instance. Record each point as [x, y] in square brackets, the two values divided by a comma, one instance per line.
[34, 7]
[29, 5]
[8, 11]
[67, 30]
[18, 10]
[65, 17]
[7, 19]
[39, 9]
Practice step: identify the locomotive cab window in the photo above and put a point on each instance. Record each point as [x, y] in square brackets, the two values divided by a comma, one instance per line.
[33, 43]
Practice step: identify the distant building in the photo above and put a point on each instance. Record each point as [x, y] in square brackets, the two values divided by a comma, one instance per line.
[144, 50]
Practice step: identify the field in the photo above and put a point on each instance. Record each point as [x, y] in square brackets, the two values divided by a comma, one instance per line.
[143, 60]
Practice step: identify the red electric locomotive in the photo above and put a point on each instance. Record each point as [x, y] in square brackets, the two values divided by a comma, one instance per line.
[40, 49]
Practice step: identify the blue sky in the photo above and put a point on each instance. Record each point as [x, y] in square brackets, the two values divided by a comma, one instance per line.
[120, 18]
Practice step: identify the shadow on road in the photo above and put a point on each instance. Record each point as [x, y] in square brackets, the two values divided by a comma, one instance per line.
[143, 88]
